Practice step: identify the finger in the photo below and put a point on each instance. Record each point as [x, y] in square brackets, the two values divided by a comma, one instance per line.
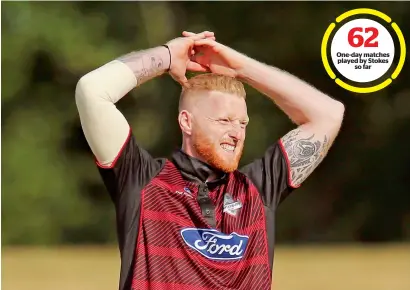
[209, 35]
[206, 33]
[190, 34]
[206, 42]
[184, 82]
[181, 79]
[196, 36]
[187, 33]
[196, 67]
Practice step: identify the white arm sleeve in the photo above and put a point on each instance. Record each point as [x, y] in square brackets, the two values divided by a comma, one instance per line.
[104, 126]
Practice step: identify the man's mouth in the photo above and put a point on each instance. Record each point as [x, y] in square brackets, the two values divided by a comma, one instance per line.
[228, 147]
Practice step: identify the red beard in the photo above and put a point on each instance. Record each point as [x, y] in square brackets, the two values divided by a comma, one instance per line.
[208, 152]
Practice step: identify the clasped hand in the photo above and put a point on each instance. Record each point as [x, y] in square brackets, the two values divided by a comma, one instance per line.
[201, 53]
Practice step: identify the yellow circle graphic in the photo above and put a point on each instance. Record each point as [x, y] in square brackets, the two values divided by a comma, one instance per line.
[385, 82]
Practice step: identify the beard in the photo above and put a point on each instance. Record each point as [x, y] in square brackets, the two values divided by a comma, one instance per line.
[212, 153]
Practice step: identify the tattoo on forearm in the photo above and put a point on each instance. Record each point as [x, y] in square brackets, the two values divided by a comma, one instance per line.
[304, 154]
[144, 65]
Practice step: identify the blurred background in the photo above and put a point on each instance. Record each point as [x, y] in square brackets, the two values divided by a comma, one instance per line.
[348, 227]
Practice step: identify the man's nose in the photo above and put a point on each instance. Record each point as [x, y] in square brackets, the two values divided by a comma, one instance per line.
[236, 134]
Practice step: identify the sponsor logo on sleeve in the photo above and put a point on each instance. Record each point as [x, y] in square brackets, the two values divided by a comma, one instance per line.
[185, 192]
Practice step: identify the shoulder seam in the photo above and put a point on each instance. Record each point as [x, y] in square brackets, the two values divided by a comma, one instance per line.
[289, 171]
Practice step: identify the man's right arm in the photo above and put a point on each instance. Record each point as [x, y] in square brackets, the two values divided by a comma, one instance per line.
[104, 126]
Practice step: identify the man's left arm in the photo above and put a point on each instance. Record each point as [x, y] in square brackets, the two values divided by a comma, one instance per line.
[318, 116]
[287, 163]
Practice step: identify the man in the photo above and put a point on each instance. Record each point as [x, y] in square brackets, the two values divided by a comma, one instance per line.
[197, 221]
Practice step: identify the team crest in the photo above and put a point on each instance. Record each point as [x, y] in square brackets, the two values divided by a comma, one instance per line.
[231, 206]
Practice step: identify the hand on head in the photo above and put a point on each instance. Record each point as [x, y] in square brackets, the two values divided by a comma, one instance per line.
[200, 52]
[181, 50]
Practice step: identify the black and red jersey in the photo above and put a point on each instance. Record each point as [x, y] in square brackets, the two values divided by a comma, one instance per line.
[177, 231]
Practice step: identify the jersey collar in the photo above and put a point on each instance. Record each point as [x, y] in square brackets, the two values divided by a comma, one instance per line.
[195, 170]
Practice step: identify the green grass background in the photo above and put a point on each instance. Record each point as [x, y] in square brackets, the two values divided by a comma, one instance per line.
[296, 268]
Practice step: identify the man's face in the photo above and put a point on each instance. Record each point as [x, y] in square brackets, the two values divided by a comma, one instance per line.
[218, 131]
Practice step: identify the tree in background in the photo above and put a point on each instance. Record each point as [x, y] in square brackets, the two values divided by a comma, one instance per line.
[51, 190]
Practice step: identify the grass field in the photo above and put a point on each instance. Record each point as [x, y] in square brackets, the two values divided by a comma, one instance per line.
[296, 268]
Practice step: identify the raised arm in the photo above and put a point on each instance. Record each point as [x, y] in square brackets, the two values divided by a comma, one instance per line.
[104, 126]
[318, 116]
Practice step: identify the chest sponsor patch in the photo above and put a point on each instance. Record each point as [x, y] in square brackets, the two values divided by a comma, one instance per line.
[215, 245]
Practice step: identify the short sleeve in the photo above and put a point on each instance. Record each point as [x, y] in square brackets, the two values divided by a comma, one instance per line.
[129, 173]
[271, 175]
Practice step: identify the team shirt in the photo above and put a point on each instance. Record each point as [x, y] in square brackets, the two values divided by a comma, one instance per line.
[176, 230]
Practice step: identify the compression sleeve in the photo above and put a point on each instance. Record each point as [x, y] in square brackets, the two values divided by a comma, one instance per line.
[104, 126]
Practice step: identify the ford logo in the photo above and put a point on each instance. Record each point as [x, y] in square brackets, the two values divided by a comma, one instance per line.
[214, 244]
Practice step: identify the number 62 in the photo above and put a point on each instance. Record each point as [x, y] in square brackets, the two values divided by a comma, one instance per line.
[357, 40]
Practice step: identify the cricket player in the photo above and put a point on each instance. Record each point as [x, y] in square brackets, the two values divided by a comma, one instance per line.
[196, 221]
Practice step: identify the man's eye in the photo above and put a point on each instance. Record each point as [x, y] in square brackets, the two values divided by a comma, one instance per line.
[224, 121]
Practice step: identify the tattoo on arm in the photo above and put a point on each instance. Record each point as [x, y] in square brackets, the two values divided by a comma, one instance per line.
[145, 64]
[304, 153]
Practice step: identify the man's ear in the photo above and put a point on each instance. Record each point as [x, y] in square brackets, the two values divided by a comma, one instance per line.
[185, 122]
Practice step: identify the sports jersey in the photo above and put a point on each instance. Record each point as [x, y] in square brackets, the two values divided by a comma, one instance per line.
[176, 230]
